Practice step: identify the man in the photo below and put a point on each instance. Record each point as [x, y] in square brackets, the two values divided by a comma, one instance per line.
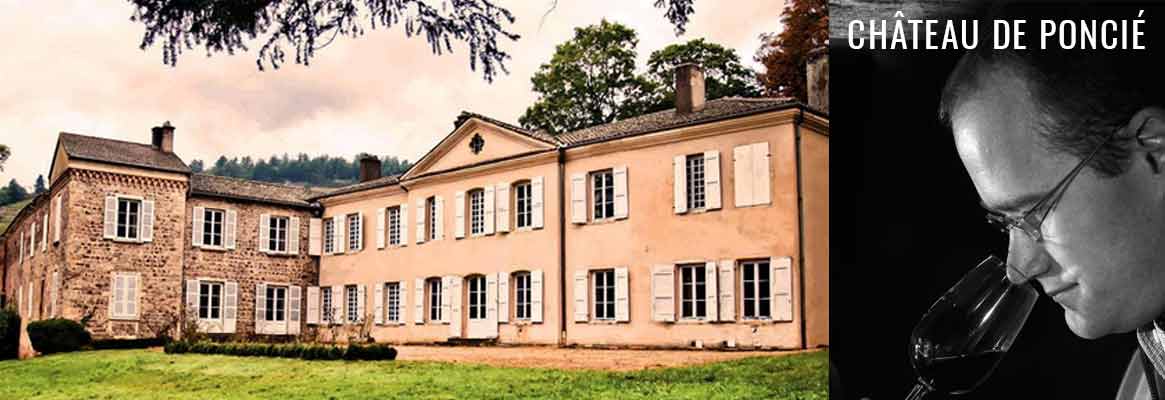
[1067, 152]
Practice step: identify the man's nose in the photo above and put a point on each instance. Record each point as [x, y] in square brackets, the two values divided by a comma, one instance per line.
[1025, 258]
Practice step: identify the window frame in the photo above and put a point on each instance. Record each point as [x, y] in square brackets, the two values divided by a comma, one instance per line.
[603, 305]
[355, 232]
[209, 223]
[433, 292]
[523, 205]
[431, 216]
[276, 304]
[206, 299]
[393, 215]
[476, 203]
[352, 303]
[756, 301]
[693, 291]
[129, 222]
[277, 235]
[697, 195]
[523, 304]
[128, 299]
[392, 300]
[326, 310]
[475, 303]
[329, 235]
[602, 197]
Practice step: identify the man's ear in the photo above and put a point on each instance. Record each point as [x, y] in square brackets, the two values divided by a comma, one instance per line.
[1148, 130]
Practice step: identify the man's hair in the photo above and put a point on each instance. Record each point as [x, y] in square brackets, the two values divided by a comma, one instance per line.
[1082, 95]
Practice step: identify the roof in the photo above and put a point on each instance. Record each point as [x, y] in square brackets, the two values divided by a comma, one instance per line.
[537, 135]
[371, 184]
[718, 109]
[243, 189]
[120, 152]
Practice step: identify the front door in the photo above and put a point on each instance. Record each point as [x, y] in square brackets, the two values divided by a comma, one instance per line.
[480, 313]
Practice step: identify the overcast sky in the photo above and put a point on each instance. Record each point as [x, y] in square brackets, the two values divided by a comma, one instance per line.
[76, 67]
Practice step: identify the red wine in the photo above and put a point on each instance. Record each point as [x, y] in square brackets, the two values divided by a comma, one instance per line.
[957, 374]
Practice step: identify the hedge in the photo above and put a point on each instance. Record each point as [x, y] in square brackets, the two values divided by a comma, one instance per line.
[370, 352]
[9, 333]
[112, 344]
[57, 335]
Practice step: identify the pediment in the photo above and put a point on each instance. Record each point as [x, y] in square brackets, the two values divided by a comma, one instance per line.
[474, 142]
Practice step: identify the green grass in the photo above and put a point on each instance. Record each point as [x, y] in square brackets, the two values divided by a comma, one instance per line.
[125, 374]
[8, 212]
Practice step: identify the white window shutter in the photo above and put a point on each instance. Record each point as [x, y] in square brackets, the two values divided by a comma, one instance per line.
[402, 298]
[621, 204]
[230, 314]
[536, 208]
[420, 221]
[380, 227]
[581, 287]
[32, 240]
[315, 234]
[230, 229]
[20, 240]
[44, 232]
[440, 217]
[260, 307]
[110, 217]
[502, 199]
[192, 298]
[727, 290]
[338, 304]
[340, 223]
[55, 294]
[454, 318]
[313, 305]
[294, 302]
[264, 233]
[293, 236]
[361, 294]
[761, 158]
[58, 219]
[147, 221]
[578, 198]
[446, 297]
[782, 296]
[459, 215]
[491, 302]
[418, 301]
[404, 231]
[503, 296]
[488, 192]
[622, 295]
[378, 304]
[663, 293]
[536, 295]
[742, 179]
[712, 180]
[679, 187]
[197, 225]
[711, 294]
[132, 295]
[359, 232]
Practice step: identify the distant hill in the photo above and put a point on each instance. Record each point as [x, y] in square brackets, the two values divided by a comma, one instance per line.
[8, 212]
[319, 171]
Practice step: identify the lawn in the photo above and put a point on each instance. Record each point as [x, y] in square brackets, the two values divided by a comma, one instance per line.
[125, 374]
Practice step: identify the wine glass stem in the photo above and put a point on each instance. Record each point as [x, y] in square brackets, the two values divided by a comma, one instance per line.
[918, 392]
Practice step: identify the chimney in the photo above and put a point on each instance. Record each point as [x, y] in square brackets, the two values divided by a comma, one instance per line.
[689, 88]
[369, 168]
[817, 79]
[164, 137]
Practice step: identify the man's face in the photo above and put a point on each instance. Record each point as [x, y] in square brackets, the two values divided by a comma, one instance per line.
[1101, 257]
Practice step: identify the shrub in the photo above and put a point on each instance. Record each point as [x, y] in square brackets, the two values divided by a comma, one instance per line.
[370, 352]
[290, 350]
[110, 344]
[9, 333]
[57, 335]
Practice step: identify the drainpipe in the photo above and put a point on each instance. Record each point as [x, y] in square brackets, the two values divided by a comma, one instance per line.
[561, 246]
[797, 121]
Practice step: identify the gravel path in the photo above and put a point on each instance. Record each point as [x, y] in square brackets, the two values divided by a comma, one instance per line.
[561, 358]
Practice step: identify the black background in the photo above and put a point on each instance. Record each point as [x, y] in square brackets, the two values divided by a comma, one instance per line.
[907, 225]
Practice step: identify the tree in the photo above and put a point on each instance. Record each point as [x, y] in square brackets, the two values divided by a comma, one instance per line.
[723, 72]
[196, 166]
[4, 153]
[39, 187]
[590, 80]
[15, 192]
[786, 54]
[307, 26]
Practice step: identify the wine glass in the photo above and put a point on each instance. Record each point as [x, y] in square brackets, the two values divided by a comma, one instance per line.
[961, 339]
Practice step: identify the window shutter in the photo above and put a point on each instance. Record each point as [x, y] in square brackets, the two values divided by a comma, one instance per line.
[578, 198]
[264, 233]
[197, 218]
[404, 230]
[418, 301]
[31, 292]
[402, 296]
[338, 302]
[663, 292]
[459, 215]
[32, 240]
[378, 304]
[727, 306]
[503, 296]
[782, 296]
[680, 190]
[294, 302]
[21, 241]
[488, 193]
[192, 298]
[712, 180]
[58, 220]
[131, 296]
[742, 179]
[55, 293]
[231, 229]
[313, 305]
[446, 283]
[315, 233]
[581, 287]
[761, 159]
[536, 213]
[440, 217]
[44, 232]
[117, 294]
[622, 294]
[110, 217]
[491, 302]
[339, 223]
[711, 294]
[359, 232]
[230, 313]
[293, 236]
[502, 199]
[147, 221]
[260, 307]
[360, 296]
[420, 221]
[620, 175]
[454, 319]
[536, 295]
[380, 227]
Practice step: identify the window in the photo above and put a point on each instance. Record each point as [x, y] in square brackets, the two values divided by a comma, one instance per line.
[695, 184]
[354, 230]
[329, 235]
[277, 238]
[693, 300]
[604, 194]
[522, 295]
[476, 297]
[212, 227]
[757, 288]
[209, 300]
[394, 226]
[128, 215]
[352, 298]
[476, 212]
[276, 303]
[434, 287]
[326, 304]
[431, 205]
[605, 294]
[392, 298]
[523, 206]
[125, 296]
